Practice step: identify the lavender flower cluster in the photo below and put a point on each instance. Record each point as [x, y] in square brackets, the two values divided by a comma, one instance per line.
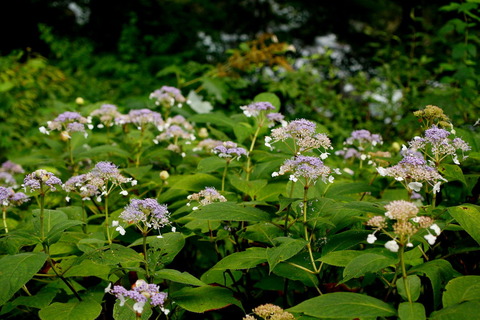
[168, 96]
[67, 123]
[146, 214]
[7, 172]
[107, 114]
[229, 150]
[8, 197]
[40, 179]
[206, 197]
[142, 293]
[402, 217]
[309, 168]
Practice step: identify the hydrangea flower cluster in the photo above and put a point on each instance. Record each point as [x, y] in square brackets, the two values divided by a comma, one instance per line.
[207, 145]
[11, 167]
[82, 186]
[303, 133]
[433, 115]
[402, 217]
[7, 170]
[168, 96]
[105, 172]
[175, 129]
[412, 172]
[39, 179]
[362, 141]
[141, 118]
[309, 168]
[142, 292]
[256, 108]
[206, 197]
[145, 214]
[8, 197]
[107, 114]
[67, 123]
[229, 150]
[270, 312]
[437, 145]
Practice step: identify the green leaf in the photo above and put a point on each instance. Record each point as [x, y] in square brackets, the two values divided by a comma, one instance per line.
[58, 229]
[114, 254]
[180, 277]
[242, 131]
[458, 290]
[16, 270]
[411, 311]
[340, 258]
[50, 218]
[247, 259]
[452, 172]
[229, 211]
[293, 270]
[88, 268]
[468, 216]
[268, 97]
[39, 300]
[439, 272]
[215, 87]
[262, 232]
[344, 305]
[211, 164]
[217, 119]
[287, 248]
[102, 152]
[368, 262]
[340, 189]
[169, 245]
[466, 310]
[414, 284]
[138, 172]
[206, 298]
[72, 310]
[194, 182]
[250, 188]
[345, 240]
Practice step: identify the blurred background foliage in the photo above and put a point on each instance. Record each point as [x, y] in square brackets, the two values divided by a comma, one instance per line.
[368, 66]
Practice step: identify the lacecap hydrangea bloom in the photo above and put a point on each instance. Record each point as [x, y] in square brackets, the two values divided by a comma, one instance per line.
[142, 293]
[309, 168]
[401, 219]
[107, 113]
[141, 118]
[304, 136]
[146, 214]
[229, 150]
[270, 312]
[106, 176]
[206, 197]
[9, 198]
[67, 123]
[168, 96]
[82, 186]
[41, 180]
[11, 167]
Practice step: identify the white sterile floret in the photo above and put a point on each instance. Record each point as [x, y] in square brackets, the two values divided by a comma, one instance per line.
[44, 130]
[371, 238]
[415, 186]
[124, 192]
[392, 245]
[436, 229]
[382, 171]
[274, 174]
[430, 238]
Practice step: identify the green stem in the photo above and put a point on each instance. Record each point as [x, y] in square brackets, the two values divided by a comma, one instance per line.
[42, 214]
[107, 223]
[404, 272]
[305, 228]
[225, 175]
[285, 232]
[145, 255]
[4, 217]
[84, 217]
[252, 145]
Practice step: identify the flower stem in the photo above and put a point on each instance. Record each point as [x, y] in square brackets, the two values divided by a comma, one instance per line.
[305, 227]
[225, 175]
[107, 224]
[252, 145]
[4, 217]
[145, 255]
[404, 272]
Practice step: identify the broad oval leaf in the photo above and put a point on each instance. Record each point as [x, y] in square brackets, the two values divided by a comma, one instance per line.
[230, 212]
[180, 277]
[206, 298]
[411, 311]
[461, 289]
[72, 310]
[368, 262]
[344, 305]
[468, 216]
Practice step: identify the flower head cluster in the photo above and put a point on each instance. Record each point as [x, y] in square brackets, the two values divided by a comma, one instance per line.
[229, 150]
[105, 176]
[39, 179]
[303, 133]
[437, 145]
[433, 115]
[107, 114]
[207, 145]
[8, 197]
[256, 108]
[412, 172]
[363, 139]
[140, 118]
[142, 293]
[81, 185]
[168, 96]
[145, 214]
[175, 129]
[402, 217]
[309, 168]
[11, 167]
[270, 312]
[67, 123]
[7, 179]
[206, 197]
[7, 170]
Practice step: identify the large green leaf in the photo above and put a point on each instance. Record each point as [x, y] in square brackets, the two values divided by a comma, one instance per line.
[458, 290]
[194, 182]
[287, 248]
[100, 152]
[251, 187]
[452, 172]
[169, 246]
[344, 305]
[247, 259]
[230, 212]
[138, 172]
[88, 268]
[58, 229]
[340, 258]
[466, 310]
[16, 270]
[368, 262]
[262, 232]
[126, 312]
[268, 97]
[411, 311]
[345, 240]
[468, 216]
[180, 277]
[439, 272]
[218, 119]
[206, 298]
[72, 310]
[414, 284]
